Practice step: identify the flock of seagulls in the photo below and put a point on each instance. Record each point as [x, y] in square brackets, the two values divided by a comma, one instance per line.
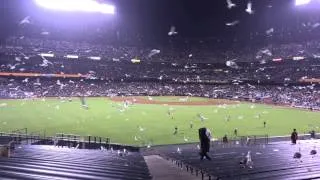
[231, 5]
[249, 10]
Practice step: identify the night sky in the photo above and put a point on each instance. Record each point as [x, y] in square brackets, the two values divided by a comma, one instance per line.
[192, 18]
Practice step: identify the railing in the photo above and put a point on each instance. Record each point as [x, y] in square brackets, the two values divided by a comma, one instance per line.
[66, 140]
[242, 141]
[82, 142]
[25, 130]
[21, 137]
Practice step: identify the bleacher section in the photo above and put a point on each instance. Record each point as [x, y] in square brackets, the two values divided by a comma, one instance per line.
[49, 162]
[274, 161]
[5, 139]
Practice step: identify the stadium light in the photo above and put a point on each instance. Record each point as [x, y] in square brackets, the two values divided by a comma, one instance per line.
[77, 5]
[302, 2]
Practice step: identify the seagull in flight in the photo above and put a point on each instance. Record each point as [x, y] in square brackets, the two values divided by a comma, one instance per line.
[232, 23]
[230, 4]
[249, 8]
[172, 31]
[25, 20]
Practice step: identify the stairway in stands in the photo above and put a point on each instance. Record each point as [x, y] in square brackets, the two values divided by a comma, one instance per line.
[274, 161]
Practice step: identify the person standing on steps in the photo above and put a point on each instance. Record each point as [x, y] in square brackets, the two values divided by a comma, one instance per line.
[205, 137]
[294, 136]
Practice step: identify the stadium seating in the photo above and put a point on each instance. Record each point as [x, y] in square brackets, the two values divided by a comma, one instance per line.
[274, 161]
[5, 139]
[49, 162]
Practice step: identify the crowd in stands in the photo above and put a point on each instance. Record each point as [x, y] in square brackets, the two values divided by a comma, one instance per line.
[282, 72]
[166, 72]
[298, 96]
[203, 51]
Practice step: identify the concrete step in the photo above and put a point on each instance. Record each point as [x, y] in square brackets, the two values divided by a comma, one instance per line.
[161, 169]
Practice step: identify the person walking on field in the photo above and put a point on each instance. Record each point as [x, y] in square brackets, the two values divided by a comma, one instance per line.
[294, 136]
[235, 132]
[175, 132]
[205, 137]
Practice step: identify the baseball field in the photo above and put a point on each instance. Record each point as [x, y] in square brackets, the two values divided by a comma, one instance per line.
[152, 120]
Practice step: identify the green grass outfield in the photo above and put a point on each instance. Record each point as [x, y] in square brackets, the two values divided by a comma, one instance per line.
[106, 118]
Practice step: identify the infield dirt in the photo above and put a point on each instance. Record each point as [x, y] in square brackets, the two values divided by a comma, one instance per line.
[142, 100]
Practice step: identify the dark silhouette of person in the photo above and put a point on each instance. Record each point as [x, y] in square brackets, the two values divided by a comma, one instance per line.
[204, 136]
[235, 132]
[294, 136]
[264, 124]
[175, 130]
[225, 139]
[312, 134]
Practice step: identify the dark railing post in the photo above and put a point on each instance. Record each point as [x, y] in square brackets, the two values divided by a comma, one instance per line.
[62, 139]
[100, 141]
[89, 138]
[265, 139]
[68, 140]
[108, 143]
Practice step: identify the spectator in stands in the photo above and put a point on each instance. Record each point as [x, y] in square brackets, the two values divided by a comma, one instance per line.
[312, 134]
[294, 136]
[205, 137]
